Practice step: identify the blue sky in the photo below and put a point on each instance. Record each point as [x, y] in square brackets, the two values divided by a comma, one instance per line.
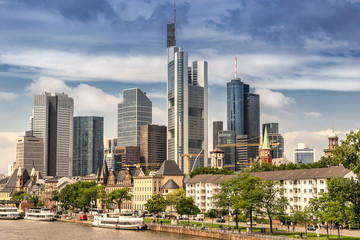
[302, 57]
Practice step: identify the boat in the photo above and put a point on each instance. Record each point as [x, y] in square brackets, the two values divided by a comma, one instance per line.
[39, 214]
[9, 213]
[119, 221]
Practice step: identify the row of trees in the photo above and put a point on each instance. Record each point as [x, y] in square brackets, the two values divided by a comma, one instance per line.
[21, 195]
[82, 194]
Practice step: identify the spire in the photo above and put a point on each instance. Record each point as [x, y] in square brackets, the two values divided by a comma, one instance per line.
[235, 67]
[266, 144]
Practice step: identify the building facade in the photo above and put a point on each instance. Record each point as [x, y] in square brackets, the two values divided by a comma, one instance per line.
[127, 156]
[226, 142]
[30, 153]
[88, 145]
[109, 146]
[332, 144]
[275, 138]
[134, 111]
[303, 154]
[52, 120]
[187, 94]
[153, 147]
[217, 126]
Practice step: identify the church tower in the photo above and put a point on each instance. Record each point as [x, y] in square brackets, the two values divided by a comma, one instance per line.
[265, 155]
[333, 143]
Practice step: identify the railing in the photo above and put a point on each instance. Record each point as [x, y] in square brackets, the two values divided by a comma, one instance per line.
[225, 230]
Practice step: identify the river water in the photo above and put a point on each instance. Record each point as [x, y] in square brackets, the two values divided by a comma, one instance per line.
[36, 230]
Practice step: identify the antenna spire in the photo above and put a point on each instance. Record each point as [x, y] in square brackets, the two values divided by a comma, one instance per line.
[235, 67]
[174, 12]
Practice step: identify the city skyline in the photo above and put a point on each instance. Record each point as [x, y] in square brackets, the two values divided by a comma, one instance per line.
[305, 67]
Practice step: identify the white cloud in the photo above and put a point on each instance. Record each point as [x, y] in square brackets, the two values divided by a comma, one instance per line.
[7, 96]
[156, 94]
[272, 99]
[313, 114]
[159, 116]
[8, 149]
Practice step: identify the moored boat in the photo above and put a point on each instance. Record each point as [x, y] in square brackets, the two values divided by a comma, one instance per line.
[119, 221]
[9, 213]
[39, 214]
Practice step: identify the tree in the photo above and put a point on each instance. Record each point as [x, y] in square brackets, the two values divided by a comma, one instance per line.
[156, 204]
[103, 196]
[209, 170]
[249, 195]
[186, 206]
[212, 213]
[119, 196]
[18, 196]
[302, 217]
[174, 197]
[271, 203]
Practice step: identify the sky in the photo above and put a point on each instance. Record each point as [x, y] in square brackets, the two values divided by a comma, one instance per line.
[301, 57]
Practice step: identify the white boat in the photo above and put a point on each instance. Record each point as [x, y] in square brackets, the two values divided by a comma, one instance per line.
[119, 221]
[9, 213]
[39, 214]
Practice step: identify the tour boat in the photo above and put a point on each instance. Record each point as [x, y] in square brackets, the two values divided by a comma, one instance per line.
[39, 214]
[119, 221]
[9, 213]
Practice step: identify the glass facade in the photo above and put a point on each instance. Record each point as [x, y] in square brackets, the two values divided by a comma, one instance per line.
[133, 112]
[88, 145]
[304, 156]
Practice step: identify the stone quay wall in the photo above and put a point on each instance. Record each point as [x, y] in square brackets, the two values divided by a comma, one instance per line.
[217, 234]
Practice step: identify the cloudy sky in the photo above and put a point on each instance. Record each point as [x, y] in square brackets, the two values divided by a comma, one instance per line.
[302, 57]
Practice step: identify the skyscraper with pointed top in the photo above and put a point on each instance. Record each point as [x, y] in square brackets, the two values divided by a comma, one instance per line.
[187, 96]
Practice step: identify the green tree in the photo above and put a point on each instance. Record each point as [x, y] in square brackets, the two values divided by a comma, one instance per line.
[119, 196]
[186, 206]
[18, 196]
[103, 196]
[156, 204]
[174, 197]
[271, 203]
[302, 217]
[249, 196]
[212, 213]
[209, 170]
[348, 153]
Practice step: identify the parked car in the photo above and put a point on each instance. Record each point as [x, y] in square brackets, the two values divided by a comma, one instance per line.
[220, 220]
[253, 223]
[311, 228]
[83, 217]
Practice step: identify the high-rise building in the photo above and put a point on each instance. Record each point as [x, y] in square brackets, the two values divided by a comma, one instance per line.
[30, 153]
[152, 147]
[134, 111]
[11, 168]
[126, 157]
[303, 154]
[275, 138]
[109, 146]
[187, 92]
[226, 142]
[52, 120]
[88, 145]
[217, 126]
[243, 117]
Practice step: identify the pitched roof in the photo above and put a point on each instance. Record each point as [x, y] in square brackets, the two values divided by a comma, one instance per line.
[313, 173]
[169, 168]
[266, 143]
[170, 184]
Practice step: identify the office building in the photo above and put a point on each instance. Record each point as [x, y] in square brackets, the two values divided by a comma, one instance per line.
[187, 92]
[134, 111]
[109, 146]
[217, 126]
[275, 138]
[126, 157]
[226, 142]
[243, 117]
[153, 147]
[11, 168]
[52, 120]
[30, 153]
[88, 145]
[303, 154]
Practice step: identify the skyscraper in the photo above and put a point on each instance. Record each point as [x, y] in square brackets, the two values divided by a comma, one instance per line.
[303, 154]
[52, 120]
[217, 126]
[88, 145]
[275, 138]
[243, 117]
[153, 146]
[187, 109]
[30, 153]
[133, 112]
[226, 142]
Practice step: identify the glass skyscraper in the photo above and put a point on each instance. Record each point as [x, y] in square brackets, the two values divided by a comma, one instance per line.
[88, 145]
[133, 112]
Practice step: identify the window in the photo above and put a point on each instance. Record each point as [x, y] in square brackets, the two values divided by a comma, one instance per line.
[322, 190]
[310, 190]
[321, 181]
[304, 181]
[304, 190]
[305, 200]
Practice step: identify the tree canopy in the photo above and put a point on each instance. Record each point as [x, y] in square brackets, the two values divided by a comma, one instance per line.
[119, 196]
[156, 204]
[186, 206]
[210, 170]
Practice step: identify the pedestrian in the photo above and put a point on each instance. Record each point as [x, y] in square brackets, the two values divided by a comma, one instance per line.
[161, 222]
[288, 228]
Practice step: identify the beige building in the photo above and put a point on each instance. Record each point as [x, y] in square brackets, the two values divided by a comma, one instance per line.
[30, 153]
[167, 179]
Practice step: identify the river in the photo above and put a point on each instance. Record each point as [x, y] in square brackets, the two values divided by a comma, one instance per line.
[36, 230]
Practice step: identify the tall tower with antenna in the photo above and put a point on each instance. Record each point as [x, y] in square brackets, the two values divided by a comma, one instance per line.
[171, 30]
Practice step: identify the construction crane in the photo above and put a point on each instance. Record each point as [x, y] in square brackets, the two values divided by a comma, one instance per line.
[142, 164]
[188, 156]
